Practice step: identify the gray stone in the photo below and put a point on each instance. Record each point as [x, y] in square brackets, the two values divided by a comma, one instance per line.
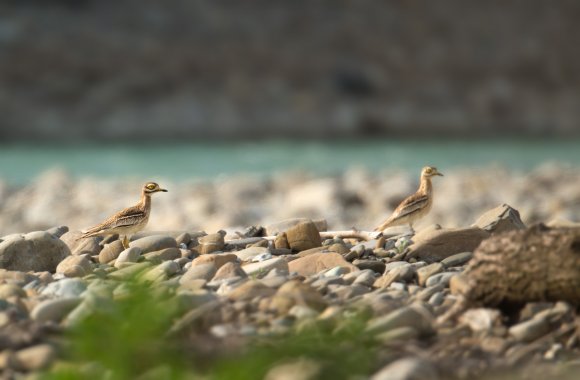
[436, 245]
[161, 272]
[457, 260]
[130, 255]
[411, 368]
[154, 243]
[530, 330]
[129, 271]
[440, 278]
[67, 288]
[402, 273]
[376, 266]
[54, 310]
[35, 251]
[75, 266]
[366, 278]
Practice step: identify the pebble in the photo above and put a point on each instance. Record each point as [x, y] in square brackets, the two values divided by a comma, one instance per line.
[54, 310]
[440, 278]
[20, 252]
[11, 290]
[35, 358]
[374, 265]
[163, 255]
[530, 330]
[75, 266]
[424, 273]
[110, 251]
[153, 243]
[415, 316]
[457, 259]
[318, 262]
[129, 255]
[202, 271]
[411, 368]
[212, 243]
[229, 270]
[303, 236]
[129, 271]
[262, 257]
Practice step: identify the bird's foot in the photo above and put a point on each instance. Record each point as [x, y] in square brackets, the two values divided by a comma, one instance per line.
[125, 242]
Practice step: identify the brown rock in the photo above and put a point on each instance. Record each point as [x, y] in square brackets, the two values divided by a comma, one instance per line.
[436, 245]
[500, 219]
[111, 251]
[532, 265]
[296, 293]
[218, 259]
[303, 236]
[424, 273]
[211, 243]
[278, 227]
[318, 262]
[281, 241]
[229, 270]
[250, 290]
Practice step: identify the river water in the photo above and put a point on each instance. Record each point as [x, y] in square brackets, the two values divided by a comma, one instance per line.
[186, 161]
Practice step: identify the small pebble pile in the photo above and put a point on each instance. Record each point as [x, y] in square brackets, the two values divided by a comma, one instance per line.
[274, 279]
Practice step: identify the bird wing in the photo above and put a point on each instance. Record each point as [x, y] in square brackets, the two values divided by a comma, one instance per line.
[127, 217]
[409, 206]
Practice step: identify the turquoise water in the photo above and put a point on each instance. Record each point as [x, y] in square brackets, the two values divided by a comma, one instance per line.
[21, 163]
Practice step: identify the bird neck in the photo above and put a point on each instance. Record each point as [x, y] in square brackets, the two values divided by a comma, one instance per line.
[425, 187]
[145, 201]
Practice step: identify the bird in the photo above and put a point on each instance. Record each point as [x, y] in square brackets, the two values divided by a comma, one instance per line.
[415, 206]
[127, 221]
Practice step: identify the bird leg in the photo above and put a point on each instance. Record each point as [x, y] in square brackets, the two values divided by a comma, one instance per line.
[412, 229]
[125, 242]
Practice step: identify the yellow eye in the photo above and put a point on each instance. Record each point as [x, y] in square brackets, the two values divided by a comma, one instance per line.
[428, 171]
[151, 186]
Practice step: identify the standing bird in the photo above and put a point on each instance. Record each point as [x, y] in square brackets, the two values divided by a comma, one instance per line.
[128, 221]
[415, 206]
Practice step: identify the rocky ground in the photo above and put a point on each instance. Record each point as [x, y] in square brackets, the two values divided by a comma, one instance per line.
[413, 311]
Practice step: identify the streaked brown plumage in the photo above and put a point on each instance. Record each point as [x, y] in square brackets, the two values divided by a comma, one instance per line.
[415, 206]
[130, 220]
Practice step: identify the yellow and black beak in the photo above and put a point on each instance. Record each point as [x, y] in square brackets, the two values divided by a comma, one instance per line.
[164, 190]
[437, 173]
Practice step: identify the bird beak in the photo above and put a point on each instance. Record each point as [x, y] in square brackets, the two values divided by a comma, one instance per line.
[164, 190]
[440, 174]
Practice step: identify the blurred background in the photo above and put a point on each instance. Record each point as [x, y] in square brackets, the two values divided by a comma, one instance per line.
[260, 110]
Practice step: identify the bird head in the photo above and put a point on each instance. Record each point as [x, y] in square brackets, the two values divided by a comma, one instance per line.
[430, 171]
[152, 187]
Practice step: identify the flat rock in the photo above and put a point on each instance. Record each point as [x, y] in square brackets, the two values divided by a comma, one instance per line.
[436, 245]
[260, 269]
[35, 358]
[296, 293]
[415, 315]
[75, 266]
[11, 290]
[154, 243]
[376, 266]
[303, 236]
[500, 219]
[34, 251]
[402, 273]
[249, 253]
[130, 271]
[217, 259]
[318, 262]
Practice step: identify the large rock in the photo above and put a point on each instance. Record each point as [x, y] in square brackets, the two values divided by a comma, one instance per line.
[218, 259]
[110, 251]
[89, 246]
[318, 262]
[533, 265]
[303, 236]
[34, 251]
[296, 293]
[212, 243]
[436, 245]
[500, 219]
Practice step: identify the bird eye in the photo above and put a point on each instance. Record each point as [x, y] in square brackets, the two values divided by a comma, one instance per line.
[429, 170]
[150, 186]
